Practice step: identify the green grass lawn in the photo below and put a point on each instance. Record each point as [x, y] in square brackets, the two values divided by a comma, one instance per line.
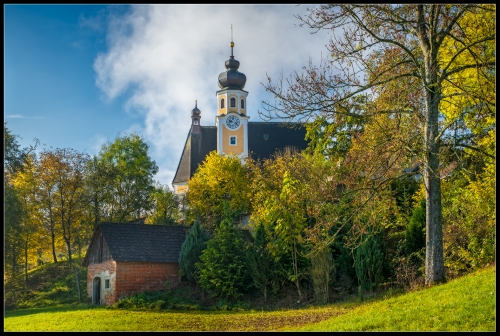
[464, 304]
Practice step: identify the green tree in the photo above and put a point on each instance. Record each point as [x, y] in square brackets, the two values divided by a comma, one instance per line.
[43, 170]
[470, 217]
[191, 249]
[221, 179]
[28, 236]
[373, 46]
[223, 267]
[15, 159]
[99, 188]
[261, 262]
[13, 217]
[14, 156]
[415, 232]
[121, 183]
[67, 169]
[369, 260]
[290, 222]
[294, 196]
[165, 206]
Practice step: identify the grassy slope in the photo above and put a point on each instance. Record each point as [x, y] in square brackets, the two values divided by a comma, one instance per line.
[48, 285]
[463, 304]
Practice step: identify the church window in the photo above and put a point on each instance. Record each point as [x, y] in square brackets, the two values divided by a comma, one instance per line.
[233, 102]
[242, 103]
[222, 103]
[232, 140]
[106, 284]
[195, 122]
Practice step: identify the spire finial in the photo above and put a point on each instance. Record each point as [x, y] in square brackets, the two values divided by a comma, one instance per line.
[196, 103]
[232, 43]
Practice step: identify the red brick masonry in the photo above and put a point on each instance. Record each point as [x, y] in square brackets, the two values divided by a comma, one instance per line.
[128, 278]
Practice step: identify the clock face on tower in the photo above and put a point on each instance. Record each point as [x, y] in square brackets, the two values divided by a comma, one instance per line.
[232, 122]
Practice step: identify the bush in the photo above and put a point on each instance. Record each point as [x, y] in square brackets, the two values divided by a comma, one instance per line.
[322, 274]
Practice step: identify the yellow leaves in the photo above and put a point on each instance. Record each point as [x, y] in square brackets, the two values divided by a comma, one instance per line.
[220, 179]
[473, 85]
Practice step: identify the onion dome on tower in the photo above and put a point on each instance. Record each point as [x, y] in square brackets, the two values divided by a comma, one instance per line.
[232, 78]
[196, 113]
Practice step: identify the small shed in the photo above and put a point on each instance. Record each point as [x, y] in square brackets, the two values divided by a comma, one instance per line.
[128, 258]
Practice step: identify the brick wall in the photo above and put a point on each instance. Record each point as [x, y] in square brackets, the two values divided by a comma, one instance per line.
[136, 277]
[106, 271]
[128, 278]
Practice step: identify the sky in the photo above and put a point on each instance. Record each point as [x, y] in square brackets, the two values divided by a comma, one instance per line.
[79, 76]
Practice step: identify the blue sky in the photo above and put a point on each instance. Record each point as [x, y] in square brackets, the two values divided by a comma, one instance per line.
[78, 76]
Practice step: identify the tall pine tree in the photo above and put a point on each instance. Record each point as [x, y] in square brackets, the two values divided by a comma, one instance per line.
[223, 267]
[261, 262]
[191, 250]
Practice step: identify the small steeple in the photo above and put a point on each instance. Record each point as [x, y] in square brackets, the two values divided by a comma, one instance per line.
[195, 119]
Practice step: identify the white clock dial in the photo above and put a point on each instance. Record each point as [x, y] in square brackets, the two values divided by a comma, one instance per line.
[232, 122]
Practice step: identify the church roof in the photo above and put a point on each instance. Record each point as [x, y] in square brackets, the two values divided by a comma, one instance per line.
[264, 139]
[194, 152]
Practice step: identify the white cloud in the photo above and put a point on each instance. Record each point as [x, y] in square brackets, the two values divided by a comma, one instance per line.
[20, 116]
[96, 143]
[164, 57]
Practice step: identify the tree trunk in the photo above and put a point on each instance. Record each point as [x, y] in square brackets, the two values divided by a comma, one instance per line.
[434, 259]
[26, 264]
[77, 279]
[53, 236]
[70, 259]
[52, 233]
[296, 270]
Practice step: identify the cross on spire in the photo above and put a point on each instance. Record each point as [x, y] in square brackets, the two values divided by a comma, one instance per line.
[232, 43]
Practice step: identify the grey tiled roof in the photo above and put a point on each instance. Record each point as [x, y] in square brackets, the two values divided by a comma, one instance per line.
[264, 139]
[195, 150]
[143, 242]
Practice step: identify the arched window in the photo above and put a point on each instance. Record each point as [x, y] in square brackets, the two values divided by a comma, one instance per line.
[222, 103]
[242, 103]
[195, 122]
[233, 102]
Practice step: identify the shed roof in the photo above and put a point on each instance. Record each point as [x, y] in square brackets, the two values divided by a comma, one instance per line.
[141, 242]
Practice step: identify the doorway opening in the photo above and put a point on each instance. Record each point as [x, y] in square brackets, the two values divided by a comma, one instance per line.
[96, 291]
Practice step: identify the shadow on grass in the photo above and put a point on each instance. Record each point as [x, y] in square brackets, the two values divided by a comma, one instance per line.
[62, 308]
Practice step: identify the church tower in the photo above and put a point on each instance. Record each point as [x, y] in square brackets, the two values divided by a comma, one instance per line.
[233, 133]
[232, 119]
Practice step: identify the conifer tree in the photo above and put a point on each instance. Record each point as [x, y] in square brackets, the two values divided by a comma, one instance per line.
[223, 267]
[369, 261]
[415, 232]
[191, 251]
[261, 262]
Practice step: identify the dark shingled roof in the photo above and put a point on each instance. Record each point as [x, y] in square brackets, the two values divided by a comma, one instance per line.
[195, 150]
[278, 136]
[264, 139]
[143, 242]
